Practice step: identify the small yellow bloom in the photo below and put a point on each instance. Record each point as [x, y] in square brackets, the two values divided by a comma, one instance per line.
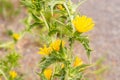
[83, 23]
[45, 50]
[60, 7]
[77, 62]
[13, 74]
[56, 44]
[48, 73]
[16, 36]
[62, 66]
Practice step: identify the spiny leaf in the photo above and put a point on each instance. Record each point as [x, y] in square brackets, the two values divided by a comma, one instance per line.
[101, 70]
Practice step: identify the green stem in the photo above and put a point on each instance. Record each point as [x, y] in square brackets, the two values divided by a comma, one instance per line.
[90, 59]
[3, 74]
[45, 21]
[71, 47]
[61, 34]
[59, 22]
[6, 44]
[69, 15]
[81, 2]
[68, 11]
[66, 76]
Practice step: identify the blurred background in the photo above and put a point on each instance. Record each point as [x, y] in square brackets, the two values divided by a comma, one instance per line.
[105, 38]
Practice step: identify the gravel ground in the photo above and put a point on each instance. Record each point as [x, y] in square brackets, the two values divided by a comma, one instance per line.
[105, 38]
[106, 35]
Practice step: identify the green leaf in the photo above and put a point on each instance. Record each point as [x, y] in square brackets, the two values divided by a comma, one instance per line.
[13, 59]
[51, 59]
[85, 42]
[36, 18]
[52, 32]
[79, 68]
[36, 24]
[10, 61]
[9, 32]
[101, 70]
[100, 61]
[26, 3]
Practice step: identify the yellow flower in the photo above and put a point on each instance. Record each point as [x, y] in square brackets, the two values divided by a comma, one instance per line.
[83, 23]
[45, 50]
[48, 73]
[60, 7]
[77, 62]
[13, 74]
[16, 36]
[62, 66]
[0, 78]
[56, 44]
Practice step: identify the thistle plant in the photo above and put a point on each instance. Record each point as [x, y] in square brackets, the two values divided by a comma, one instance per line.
[62, 25]
[8, 66]
[59, 26]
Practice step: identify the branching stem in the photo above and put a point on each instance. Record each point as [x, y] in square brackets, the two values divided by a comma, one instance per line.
[3, 74]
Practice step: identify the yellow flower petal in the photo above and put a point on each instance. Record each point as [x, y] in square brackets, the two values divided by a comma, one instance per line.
[16, 36]
[83, 23]
[48, 73]
[45, 50]
[56, 44]
[13, 74]
[77, 62]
